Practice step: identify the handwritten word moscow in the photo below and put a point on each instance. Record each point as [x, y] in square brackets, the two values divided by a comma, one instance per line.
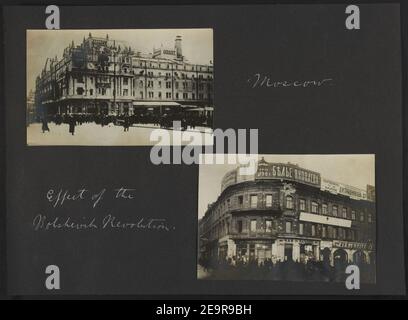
[263, 81]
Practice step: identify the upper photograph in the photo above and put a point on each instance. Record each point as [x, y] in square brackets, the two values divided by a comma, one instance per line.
[115, 87]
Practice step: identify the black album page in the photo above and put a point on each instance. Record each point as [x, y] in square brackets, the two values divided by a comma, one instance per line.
[204, 150]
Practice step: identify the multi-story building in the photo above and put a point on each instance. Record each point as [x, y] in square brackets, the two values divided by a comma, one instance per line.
[285, 212]
[100, 76]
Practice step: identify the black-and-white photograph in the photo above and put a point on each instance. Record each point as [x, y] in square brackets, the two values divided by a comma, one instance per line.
[297, 218]
[113, 87]
[204, 151]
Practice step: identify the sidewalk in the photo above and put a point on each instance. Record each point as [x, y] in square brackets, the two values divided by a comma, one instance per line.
[91, 134]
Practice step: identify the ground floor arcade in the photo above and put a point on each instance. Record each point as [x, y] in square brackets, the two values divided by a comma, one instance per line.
[123, 106]
[334, 253]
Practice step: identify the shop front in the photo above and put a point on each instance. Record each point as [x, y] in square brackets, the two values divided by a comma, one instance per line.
[340, 253]
[298, 250]
[254, 250]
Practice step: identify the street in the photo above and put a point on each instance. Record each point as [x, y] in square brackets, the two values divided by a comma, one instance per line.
[91, 134]
[202, 273]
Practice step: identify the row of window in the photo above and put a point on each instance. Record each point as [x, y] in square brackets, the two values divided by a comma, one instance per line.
[322, 231]
[150, 94]
[267, 227]
[168, 75]
[110, 67]
[150, 83]
[175, 66]
[315, 208]
[177, 85]
[168, 95]
[254, 200]
[324, 209]
[304, 229]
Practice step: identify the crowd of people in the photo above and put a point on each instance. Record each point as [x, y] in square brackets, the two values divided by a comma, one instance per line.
[163, 121]
[289, 270]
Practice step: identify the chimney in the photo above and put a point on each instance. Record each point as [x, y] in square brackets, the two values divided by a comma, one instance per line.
[177, 46]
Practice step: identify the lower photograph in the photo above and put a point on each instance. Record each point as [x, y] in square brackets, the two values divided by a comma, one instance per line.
[291, 218]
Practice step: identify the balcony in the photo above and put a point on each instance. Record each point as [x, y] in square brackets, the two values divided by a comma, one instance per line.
[259, 235]
[289, 213]
[259, 209]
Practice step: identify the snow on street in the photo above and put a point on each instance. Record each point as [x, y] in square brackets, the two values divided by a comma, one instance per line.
[91, 134]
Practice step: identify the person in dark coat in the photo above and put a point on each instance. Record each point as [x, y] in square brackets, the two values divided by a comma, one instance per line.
[126, 123]
[45, 125]
[72, 124]
[103, 119]
[184, 125]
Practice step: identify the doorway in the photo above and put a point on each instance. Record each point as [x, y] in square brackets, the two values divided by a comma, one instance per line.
[288, 252]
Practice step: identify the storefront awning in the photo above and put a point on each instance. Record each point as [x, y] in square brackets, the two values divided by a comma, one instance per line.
[196, 109]
[156, 103]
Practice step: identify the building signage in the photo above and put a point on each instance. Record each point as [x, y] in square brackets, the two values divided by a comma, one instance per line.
[352, 245]
[330, 186]
[353, 193]
[287, 172]
[317, 218]
[343, 189]
[326, 244]
[300, 241]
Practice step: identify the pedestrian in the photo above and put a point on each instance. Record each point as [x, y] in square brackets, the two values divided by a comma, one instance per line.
[45, 125]
[183, 124]
[102, 119]
[72, 124]
[126, 123]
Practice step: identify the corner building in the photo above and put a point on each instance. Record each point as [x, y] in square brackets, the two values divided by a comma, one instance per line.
[99, 76]
[285, 212]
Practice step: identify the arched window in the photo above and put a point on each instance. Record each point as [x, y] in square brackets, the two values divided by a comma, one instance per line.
[289, 202]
